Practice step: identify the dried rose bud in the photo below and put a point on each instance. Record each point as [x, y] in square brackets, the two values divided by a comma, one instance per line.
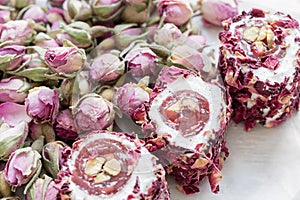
[12, 138]
[42, 130]
[5, 189]
[195, 41]
[168, 35]
[131, 99]
[13, 89]
[65, 91]
[65, 60]
[42, 104]
[105, 10]
[65, 127]
[141, 61]
[17, 31]
[34, 12]
[77, 33]
[81, 86]
[92, 112]
[44, 40]
[216, 11]
[52, 157]
[79, 9]
[137, 11]
[21, 3]
[4, 16]
[3, 2]
[106, 67]
[187, 57]
[107, 93]
[125, 34]
[42, 189]
[13, 113]
[55, 16]
[32, 61]
[11, 56]
[22, 165]
[175, 11]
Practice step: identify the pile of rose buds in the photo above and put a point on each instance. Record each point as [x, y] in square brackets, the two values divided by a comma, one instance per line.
[102, 99]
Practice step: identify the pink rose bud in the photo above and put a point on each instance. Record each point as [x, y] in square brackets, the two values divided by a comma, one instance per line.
[21, 3]
[105, 10]
[52, 157]
[4, 16]
[3, 2]
[65, 60]
[151, 30]
[175, 11]
[141, 61]
[131, 99]
[79, 10]
[22, 166]
[126, 34]
[77, 33]
[17, 31]
[12, 138]
[13, 89]
[34, 12]
[106, 67]
[195, 41]
[168, 35]
[55, 16]
[44, 40]
[11, 56]
[216, 11]
[65, 126]
[92, 112]
[187, 57]
[13, 113]
[42, 189]
[42, 104]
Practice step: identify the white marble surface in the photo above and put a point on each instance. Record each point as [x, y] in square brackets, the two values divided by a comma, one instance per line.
[265, 162]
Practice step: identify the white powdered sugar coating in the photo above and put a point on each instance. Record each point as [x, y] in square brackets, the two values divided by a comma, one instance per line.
[217, 107]
[287, 64]
[144, 171]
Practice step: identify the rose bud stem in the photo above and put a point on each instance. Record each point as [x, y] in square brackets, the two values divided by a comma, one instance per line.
[38, 144]
[4, 186]
[7, 8]
[11, 198]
